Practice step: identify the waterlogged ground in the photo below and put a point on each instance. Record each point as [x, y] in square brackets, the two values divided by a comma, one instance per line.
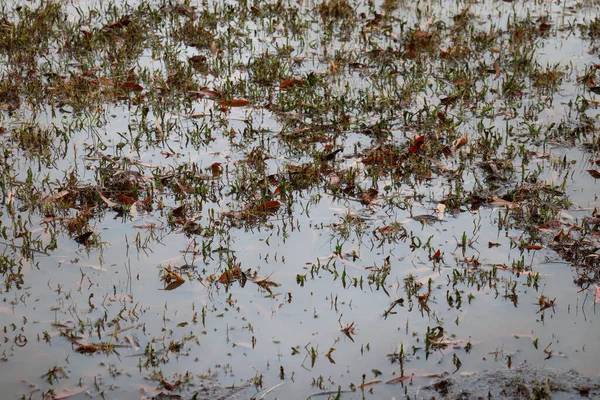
[294, 199]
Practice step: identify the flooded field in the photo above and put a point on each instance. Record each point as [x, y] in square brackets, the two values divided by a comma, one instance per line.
[298, 199]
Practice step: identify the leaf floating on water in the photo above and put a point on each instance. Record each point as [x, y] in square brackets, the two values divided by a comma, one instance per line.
[171, 279]
[234, 103]
[233, 274]
[498, 202]
[269, 206]
[106, 201]
[290, 83]
[398, 380]
[216, 169]
[533, 247]
[173, 285]
[370, 383]
[120, 24]
[417, 143]
[55, 197]
[554, 224]
[208, 93]
[126, 200]
[349, 330]
[135, 87]
[594, 172]
[458, 143]
[265, 283]
[197, 59]
[66, 393]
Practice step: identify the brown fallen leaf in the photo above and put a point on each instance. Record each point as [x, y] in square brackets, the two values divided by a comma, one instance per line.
[417, 143]
[290, 83]
[398, 380]
[498, 202]
[233, 274]
[265, 283]
[533, 247]
[216, 169]
[106, 201]
[349, 330]
[269, 206]
[208, 93]
[458, 143]
[234, 103]
[197, 59]
[135, 87]
[126, 200]
[66, 393]
[171, 279]
[594, 172]
[370, 383]
[55, 197]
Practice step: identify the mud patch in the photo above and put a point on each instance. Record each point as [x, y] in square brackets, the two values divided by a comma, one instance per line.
[524, 382]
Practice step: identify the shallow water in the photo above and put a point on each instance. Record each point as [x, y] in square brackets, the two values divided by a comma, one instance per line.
[322, 244]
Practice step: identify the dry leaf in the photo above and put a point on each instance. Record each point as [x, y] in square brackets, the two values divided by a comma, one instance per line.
[55, 197]
[66, 393]
[269, 206]
[132, 86]
[458, 143]
[398, 380]
[290, 83]
[109, 203]
[594, 172]
[533, 247]
[208, 93]
[416, 145]
[234, 103]
[231, 275]
[265, 283]
[123, 199]
[370, 383]
[498, 202]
